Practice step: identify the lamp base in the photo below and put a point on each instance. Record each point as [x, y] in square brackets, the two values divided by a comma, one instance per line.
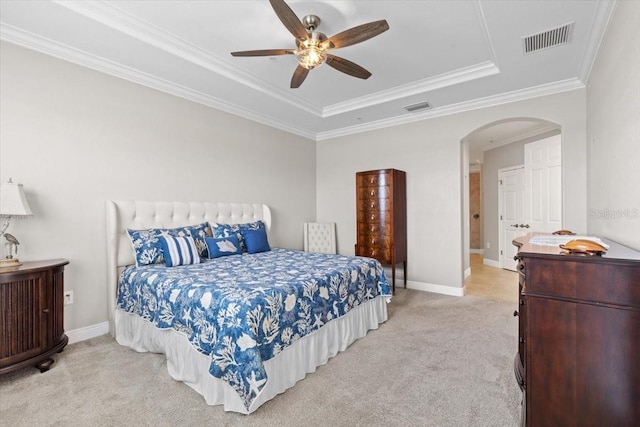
[9, 262]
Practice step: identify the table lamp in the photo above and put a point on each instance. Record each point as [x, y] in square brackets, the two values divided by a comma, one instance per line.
[13, 203]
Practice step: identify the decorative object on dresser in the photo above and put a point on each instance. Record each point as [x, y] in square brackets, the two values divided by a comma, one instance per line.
[13, 203]
[381, 213]
[579, 335]
[31, 316]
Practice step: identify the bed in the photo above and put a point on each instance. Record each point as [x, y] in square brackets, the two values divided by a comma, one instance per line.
[238, 329]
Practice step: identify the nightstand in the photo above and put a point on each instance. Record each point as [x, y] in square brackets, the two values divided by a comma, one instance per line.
[31, 314]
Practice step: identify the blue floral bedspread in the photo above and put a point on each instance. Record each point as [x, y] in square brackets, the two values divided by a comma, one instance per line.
[244, 309]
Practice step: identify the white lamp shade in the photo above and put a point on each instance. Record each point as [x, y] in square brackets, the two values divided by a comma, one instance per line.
[13, 201]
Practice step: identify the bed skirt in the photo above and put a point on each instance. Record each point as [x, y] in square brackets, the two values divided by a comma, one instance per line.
[188, 365]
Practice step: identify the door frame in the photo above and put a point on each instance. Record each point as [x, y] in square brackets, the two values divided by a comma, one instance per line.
[501, 248]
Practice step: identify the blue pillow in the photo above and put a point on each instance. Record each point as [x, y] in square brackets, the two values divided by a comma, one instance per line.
[147, 248]
[179, 250]
[226, 230]
[256, 240]
[223, 246]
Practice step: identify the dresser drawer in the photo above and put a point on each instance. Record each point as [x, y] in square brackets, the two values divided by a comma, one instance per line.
[373, 229]
[371, 179]
[372, 193]
[374, 241]
[374, 217]
[374, 204]
[381, 254]
[563, 278]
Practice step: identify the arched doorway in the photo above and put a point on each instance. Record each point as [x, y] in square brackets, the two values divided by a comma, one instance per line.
[486, 150]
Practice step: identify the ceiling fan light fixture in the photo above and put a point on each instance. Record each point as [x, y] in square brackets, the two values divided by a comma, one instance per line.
[311, 52]
[311, 57]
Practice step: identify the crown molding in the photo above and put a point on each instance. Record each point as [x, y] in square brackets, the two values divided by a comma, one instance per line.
[475, 104]
[125, 23]
[40, 44]
[440, 81]
[597, 31]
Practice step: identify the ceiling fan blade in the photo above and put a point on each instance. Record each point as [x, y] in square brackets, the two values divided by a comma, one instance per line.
[298, 76]
[357, 34]
[265, 52]
[289, 19]
[347, 67]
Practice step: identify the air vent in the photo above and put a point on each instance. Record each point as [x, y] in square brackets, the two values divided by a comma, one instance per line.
[551, 38]
[418, 106]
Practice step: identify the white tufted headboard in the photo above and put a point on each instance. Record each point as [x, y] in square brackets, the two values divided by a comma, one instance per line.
[122, 215]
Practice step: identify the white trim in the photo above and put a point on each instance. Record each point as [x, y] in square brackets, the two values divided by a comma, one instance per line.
[88, 332]
[521, 137]
[474, 104]
[462, 75]
[467, 272]
[604, 12]
[438, 289]
[491, 263]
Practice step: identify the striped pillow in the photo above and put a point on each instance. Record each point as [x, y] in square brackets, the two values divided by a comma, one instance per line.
[179, 250]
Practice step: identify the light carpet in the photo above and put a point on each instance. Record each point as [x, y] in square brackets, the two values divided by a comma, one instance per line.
[437, 361]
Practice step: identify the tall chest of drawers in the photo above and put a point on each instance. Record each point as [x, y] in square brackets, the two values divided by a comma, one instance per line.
[381, 213]
[579, 336]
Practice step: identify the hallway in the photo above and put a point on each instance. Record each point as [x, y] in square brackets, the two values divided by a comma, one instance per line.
[491, 282]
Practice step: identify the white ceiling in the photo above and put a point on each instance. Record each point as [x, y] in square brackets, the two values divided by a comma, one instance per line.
[457, 55]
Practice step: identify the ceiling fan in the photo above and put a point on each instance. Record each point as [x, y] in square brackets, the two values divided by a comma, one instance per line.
[313, 46]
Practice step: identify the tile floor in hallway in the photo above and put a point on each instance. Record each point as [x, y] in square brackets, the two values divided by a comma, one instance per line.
[491, 282]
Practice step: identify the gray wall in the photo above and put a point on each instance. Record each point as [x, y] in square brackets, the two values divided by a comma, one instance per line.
[613, 126]
[75, 138]
[494, 160]
[431, 153]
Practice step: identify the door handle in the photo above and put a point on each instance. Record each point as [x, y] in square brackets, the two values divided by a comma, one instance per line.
[524, 225]
[476, 216]
[515, 225]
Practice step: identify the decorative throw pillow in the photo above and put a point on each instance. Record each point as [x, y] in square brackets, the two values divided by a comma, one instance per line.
[223, 246]
[226, 230]
[179, 250]
[256, 240]
[148, 250]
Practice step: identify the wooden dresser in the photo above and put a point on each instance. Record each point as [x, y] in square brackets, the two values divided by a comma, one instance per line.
[381, 212]
[31, 315]
[578, 360]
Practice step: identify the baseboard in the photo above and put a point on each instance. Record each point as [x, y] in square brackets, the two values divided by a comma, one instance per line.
[467, 272]
[432, 287]
[88, 332]
[491, 263]
[476, 251]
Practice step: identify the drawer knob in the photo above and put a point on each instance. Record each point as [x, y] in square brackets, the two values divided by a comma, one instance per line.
[46, 310]
[521, 301]
[373, 192]
[521, 340]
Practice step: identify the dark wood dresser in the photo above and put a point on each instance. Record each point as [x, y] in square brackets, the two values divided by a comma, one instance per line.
[578, 360]
[31, 315]
[381, 212]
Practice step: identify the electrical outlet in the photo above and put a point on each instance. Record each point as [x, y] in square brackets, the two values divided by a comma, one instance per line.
[68, 297]
[488, 245]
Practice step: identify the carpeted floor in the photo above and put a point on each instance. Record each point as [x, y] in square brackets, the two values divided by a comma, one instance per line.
[437, 361]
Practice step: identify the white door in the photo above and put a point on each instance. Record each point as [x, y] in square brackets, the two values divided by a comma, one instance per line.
[511, 195]
[543, 184]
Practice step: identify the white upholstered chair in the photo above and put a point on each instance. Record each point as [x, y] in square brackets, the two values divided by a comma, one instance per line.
[320, 237]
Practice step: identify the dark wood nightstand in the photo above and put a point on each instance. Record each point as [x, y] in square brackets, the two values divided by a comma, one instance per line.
[31, 314]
